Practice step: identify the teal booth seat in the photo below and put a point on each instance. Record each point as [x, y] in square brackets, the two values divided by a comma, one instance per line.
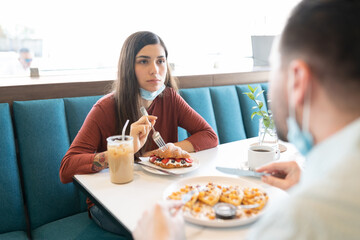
[227, 109]
[12, 211]
[45, 129]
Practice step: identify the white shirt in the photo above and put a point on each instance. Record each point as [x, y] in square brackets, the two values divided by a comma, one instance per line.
[326, 202]
[14, 68]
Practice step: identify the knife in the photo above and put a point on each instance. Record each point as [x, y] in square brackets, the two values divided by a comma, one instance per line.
[242, 172]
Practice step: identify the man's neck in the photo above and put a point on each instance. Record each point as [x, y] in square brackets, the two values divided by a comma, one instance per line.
[327, 119]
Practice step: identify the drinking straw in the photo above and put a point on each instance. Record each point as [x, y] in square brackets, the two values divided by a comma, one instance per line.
[123, 130]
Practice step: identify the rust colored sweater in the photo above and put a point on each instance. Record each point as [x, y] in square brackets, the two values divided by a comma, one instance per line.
[172, 111]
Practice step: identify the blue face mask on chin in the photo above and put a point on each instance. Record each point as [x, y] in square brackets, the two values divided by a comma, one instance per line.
[301, 138]
[151, 95]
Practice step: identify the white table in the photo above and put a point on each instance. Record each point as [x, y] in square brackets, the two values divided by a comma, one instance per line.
[127, 202]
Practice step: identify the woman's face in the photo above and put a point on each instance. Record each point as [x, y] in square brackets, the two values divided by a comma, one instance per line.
[151, 67]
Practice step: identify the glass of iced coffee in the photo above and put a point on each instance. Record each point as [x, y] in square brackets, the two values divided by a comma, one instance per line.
[120, 153]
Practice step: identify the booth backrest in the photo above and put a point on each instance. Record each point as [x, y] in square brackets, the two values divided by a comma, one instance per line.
[227, 109]
[11, 199]
[45, 129]
[76, 112]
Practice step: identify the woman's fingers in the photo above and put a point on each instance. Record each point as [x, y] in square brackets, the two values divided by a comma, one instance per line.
[140, 130]
[147, 120]
[143, 125]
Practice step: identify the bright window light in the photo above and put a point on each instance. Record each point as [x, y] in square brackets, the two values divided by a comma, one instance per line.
[76, 34]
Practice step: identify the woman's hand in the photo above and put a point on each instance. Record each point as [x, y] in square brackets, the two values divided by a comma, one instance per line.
[284, 175]
[160, 224]
[140, 129]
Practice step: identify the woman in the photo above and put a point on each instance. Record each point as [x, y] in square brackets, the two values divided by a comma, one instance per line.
[144, 79]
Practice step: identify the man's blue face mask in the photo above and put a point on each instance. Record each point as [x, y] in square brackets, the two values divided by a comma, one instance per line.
[301, 138]
[151, 95]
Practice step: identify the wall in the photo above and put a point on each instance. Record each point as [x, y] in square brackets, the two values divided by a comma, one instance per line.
[76, 86]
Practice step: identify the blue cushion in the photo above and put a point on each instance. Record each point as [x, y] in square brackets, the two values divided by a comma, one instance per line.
[76, 111]
[200, 100]
[18, 235]
[43, 140]
[228, 117]
[78, 227]
[12, 212]
[182, 134]
[246, 104]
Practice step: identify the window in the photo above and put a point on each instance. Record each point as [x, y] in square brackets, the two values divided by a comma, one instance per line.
[200, 34]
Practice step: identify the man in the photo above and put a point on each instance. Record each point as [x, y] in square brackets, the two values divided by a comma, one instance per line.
[318, 70]
[25, 58]
[315, 91]
[19, 66]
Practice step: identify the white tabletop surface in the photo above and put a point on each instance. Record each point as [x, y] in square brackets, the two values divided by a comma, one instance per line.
[127, 202]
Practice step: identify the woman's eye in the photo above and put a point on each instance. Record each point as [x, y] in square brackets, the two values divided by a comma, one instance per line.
[143, 61]
[161, 61]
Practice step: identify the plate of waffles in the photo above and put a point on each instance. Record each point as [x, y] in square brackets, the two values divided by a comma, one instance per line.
[212, 191]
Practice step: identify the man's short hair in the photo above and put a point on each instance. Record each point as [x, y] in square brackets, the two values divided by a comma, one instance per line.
[326, 34]
[24, 50]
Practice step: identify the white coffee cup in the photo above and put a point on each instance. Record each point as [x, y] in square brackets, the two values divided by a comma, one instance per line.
[261, 155]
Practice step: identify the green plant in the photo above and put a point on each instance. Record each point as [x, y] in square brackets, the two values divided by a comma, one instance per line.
[266, 115]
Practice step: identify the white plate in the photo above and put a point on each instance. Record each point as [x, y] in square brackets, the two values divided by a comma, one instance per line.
[216, 180]
[178, 171]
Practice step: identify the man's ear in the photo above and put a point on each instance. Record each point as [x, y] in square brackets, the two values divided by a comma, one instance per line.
[301, 74]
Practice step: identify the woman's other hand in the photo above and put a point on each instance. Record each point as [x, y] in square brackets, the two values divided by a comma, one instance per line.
[140, 129]
[284, 175]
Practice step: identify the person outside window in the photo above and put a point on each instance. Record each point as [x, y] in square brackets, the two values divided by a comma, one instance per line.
[20, 66]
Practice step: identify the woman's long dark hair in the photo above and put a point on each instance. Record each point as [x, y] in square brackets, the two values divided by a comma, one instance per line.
[126, 87]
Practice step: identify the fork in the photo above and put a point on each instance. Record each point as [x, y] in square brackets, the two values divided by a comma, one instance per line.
[156, 135]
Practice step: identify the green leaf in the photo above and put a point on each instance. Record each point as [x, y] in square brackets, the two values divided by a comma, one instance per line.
[260, 105]
[251, 89]
[266, 122]
[265, 114]
[255, 89]
[259, 93]
[250, 95]
[253, 115]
